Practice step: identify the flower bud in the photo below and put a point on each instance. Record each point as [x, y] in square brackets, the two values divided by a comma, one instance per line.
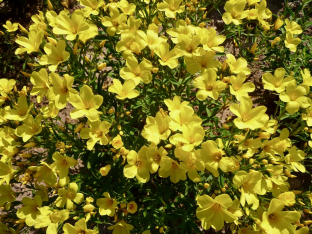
[101, 66]
[22, 29]
[52, 40]
[111, 111]
[187, 20]
[102, 43]
[29, 145]
[155, 69]
[201, 25]
[87, 59]
[206, 185]
[75, 49]
[278, 23]
[79, 127]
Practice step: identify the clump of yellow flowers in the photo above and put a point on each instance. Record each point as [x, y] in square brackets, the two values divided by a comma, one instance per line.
[138, 117]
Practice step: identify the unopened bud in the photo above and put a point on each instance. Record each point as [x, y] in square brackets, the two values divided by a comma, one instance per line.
[50, 6]
[111, 111]
[168, 146]
[75, 49]
[155, 69]
[102, 43]
[278, 23]
[265, 162]
[79, 127]
[206, 185]
[187, 20]
[87, 59]
[29, 145]
[25, 74]
[52, 40]
[101, 66]
[22, 29]
[201, 25]
[121, 133]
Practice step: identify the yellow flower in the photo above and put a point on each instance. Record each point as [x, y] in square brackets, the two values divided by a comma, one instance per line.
[50, 111]
[68, 197]
[86, 104]
[189, 46]
[39, 23]
[31, 209]
[79, 228]
[72, 26]
[250, 185]
[56, 54]
[52, 220]
[96, 132]
[44, 173]
[294, 157]
[137, 72]
[181, 27]
[151, 37]
[175, 172]
[308, 116]
[306, 79]
[21, 110]
[191, 136]
[107, 206]
[62, 164]
[130, 43]
[212, 41]
[6, 172]
[247, 117]
[61, 89]
[127, 90]
[277, 82]
[175, 103]
[6, 86]
[234, 12]
[183, 116]
[213, 212]
[117, 142]
[157, 158]
[171, 7]
[295, 97]
[208, 85]
[30, 127]
[191, 163]
[275, 220]
[115, 21]
[292, 27]
[211, 155]
[10, 27]
[105, 170]
[30, 44]
[6, 194]
[237, 66]
[168, 58]
[157, 128]
[91, 7]
[40, 81]
[132, 207]
[289, 198]
[202, 63]
[137, 165]
[291, 42]
[121, 227]
[126, 7]
[239, 88]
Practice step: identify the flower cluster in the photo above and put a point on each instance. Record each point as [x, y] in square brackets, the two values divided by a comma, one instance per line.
[122, 121]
